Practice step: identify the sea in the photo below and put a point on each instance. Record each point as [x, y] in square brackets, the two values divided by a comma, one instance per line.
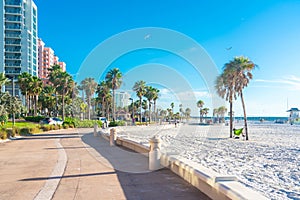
[278, 120]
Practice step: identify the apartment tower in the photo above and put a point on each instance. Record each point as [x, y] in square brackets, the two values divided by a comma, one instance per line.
[46, 60]
[18, 40]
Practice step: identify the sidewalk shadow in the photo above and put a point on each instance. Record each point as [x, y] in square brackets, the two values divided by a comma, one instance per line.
[137, 181]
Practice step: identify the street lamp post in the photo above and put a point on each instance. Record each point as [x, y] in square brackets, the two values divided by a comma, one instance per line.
[132, 110]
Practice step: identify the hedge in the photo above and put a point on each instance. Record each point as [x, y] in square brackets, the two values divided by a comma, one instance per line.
[116, 123]
[34, 118]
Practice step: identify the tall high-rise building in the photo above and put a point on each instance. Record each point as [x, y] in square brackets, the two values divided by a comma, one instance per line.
[18, 39]
[46, 60]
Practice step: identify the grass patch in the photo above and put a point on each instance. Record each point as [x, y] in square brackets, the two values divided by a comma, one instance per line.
[21, 125]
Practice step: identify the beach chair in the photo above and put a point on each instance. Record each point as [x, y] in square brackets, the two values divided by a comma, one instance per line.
[238, 132]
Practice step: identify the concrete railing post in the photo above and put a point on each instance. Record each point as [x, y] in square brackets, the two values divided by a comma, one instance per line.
[112, 137]
[95, 129]
[154, 154]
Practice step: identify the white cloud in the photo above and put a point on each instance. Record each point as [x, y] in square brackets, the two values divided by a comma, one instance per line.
[289, 82]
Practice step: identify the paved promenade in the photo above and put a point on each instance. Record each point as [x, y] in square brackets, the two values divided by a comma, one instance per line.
[73, 164]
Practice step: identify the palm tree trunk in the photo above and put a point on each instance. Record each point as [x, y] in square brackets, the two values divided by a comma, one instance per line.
[63, 105]
[141, 109]
[26, 103]
[245, 117]
[35, 105]
[155, 113]
[56, 104]
[149, 111]
[103, 107]
[114, 108]
[89, 108]
[107, 110]
[29, 104]
[230, 121]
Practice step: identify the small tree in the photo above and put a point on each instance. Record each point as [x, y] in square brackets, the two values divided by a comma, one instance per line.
[200, 105]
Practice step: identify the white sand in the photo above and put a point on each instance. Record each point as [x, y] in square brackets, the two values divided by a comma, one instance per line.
[268, 163]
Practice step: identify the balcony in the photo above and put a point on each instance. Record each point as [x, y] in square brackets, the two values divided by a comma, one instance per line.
[12, 27]
[18, 36]
[13, 57]
[13, 50]
[13, 43]
[13, 4]
[12, 72]
[13, 20]
[13, 65]
[13, 12]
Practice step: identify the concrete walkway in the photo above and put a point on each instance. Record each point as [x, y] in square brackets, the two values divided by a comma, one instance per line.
[93, 170]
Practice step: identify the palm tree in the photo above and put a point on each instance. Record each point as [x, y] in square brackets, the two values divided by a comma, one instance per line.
[3, 80]
[145, 107]
[53, 76]
[221, 111]
[170, 113]
[155, 97]
[114, 80]
[181, 111]
[225, 89]
[89, 85]
[74, 91]
[239, 69]
[205, 111]
[36, 87]
[63, 84]
[24, 80]
[150, 93]
[200, 104]
[47, 100]
[140, 89]
[172, 106]
[103, 92]
[188, 113]
[163, 114]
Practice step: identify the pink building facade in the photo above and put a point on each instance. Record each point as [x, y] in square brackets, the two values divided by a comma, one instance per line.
[47, 59]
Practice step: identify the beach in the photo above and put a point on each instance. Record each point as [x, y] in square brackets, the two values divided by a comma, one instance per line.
[267, 163]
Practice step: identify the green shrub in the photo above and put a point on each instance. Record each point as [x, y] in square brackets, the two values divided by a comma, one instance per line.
[65, 126]
[116, 123]
[16, 131]
[87, 123]
[34, 118]
[3, 134]
[24, 131]
[46, 128]
[10, 133]
[71, 121]
[34, 130]
[75, 122]
[3, 119]
[52, 127]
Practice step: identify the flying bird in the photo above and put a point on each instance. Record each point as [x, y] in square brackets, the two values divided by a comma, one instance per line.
[228, 48]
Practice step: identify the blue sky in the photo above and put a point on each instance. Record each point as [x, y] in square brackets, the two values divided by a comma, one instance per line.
[267, 32]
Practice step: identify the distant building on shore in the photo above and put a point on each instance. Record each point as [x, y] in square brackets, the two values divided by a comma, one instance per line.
[294, 116]
[122, 99]
[47, 59]
[18, 40]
